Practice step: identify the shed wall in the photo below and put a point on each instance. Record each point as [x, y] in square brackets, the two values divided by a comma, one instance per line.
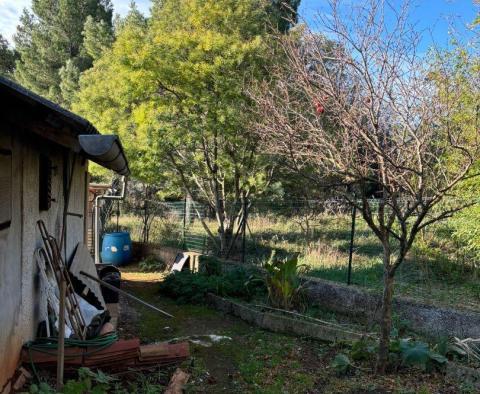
[18, 271]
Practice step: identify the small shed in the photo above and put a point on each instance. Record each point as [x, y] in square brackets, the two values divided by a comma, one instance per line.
[44, 154]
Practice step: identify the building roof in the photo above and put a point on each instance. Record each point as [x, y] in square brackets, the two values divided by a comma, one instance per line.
[29, 112]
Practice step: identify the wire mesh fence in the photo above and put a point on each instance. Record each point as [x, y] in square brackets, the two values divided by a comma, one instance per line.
[326, 235]
[176, 223]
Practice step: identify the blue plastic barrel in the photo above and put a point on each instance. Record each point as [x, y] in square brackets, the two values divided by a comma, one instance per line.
[116, 248]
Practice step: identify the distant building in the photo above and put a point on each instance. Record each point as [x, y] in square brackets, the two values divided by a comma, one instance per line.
[44, 153]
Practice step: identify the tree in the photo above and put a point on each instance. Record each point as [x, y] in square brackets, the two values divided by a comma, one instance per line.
[97, 37]
[371, 113]
[50, 37]
[7, 58]
[69, 76]
[285, 14]
[174, 89]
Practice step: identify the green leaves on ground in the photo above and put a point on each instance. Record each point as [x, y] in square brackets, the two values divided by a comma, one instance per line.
[151, 264]
[362, 350]
[404, 352]
[87, 382]
[415, 353]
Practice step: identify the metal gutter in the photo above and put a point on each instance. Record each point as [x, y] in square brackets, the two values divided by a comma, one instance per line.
[105, 150]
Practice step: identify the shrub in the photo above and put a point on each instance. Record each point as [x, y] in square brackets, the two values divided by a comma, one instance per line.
[210, 265]
[415, 353]
[192, 287]
[341, 364]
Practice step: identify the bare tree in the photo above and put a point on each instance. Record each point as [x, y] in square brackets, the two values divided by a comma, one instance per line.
[377, 118]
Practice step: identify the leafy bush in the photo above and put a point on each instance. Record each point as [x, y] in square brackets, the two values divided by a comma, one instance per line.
[416, 353]
[151, 264]
[362, 350]
[285, 288]
[192, 287]
[210, 265]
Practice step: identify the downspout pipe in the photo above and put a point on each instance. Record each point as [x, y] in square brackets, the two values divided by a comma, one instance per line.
[97, 215]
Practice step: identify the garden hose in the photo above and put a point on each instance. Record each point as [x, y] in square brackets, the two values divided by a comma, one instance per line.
[49, 346]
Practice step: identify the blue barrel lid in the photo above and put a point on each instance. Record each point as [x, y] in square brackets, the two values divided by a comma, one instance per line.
[117, 234]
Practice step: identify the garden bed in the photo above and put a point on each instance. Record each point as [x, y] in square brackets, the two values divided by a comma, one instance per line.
[258, 360]
[325, 331]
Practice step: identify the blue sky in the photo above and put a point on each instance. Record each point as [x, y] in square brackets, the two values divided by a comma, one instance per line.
[434, 16]
[10, 11]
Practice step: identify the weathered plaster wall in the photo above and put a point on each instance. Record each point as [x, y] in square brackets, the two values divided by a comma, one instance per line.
[18, 270]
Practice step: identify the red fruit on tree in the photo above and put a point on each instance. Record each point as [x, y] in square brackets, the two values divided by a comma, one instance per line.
[319, 108]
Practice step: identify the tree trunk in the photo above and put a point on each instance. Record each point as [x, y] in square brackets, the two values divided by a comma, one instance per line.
[386, 317]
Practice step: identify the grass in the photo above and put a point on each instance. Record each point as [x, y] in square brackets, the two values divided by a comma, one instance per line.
[253, 360]
[434, 271]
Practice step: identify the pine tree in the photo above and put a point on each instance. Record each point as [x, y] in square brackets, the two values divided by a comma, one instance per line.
[69, 76]
[50, 43]
[97, 37]
[7, 58]
[133, 19]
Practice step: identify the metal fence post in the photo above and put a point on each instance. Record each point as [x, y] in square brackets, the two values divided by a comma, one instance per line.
[184, 223]
[350, 254]
[244, 227]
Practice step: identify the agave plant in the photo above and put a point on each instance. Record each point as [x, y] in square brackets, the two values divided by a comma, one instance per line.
[285, 287]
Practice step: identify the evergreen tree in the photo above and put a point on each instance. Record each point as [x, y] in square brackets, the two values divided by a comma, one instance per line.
[7, 58]
[69, 76]
[50, 43]
[134, 18]
[97, 37]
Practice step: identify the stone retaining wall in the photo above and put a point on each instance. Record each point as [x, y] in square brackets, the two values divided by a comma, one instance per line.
[279, 323]
[423, 318]
[164, 253]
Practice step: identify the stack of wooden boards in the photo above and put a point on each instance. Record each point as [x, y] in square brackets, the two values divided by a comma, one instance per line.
[116, 357]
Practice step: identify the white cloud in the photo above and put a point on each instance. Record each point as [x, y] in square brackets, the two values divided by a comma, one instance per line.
[11, 10]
